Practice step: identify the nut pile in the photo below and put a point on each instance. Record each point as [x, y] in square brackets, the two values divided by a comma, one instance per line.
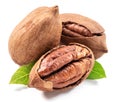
[64, 47]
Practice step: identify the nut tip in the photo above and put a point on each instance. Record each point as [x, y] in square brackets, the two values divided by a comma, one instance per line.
[55, 9]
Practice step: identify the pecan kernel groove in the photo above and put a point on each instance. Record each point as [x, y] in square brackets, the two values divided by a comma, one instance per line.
[74, 29]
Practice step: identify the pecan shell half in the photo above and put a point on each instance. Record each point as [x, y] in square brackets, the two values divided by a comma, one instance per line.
[83, 30]
[63, 67]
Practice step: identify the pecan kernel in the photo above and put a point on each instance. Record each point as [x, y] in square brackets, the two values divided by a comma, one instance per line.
[62, 67]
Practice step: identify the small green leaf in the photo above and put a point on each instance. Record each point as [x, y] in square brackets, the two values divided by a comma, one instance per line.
[21, 76]
[97, 72]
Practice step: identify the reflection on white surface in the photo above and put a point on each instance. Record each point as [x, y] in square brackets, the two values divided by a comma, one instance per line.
[88, 89]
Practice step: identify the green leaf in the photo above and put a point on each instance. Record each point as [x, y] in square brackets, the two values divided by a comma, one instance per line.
[21, 76]
[97, 72]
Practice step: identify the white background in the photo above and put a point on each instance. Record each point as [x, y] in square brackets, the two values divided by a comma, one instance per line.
[106, 12]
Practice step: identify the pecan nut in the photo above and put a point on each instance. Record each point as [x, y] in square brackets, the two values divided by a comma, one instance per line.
[37, 33]
[83, 30]
[62, 67]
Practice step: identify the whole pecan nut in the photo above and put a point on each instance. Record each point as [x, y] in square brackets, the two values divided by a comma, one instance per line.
[37, 33]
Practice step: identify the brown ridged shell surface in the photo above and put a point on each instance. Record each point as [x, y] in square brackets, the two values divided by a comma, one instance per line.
[37, 33]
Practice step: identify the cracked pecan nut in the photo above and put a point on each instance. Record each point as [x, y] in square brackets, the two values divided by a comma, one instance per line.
[37, 33]
[83, 30]
[62, 67]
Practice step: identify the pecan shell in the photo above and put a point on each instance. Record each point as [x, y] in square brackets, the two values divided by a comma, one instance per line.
[63, 67]
[83, 30]
[37, 33]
